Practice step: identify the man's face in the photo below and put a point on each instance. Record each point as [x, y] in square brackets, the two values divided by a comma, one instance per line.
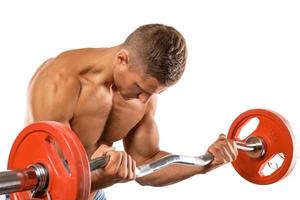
[134, 84]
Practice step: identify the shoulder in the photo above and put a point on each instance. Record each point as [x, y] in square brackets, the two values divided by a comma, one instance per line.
[78, 54]
[54, 81]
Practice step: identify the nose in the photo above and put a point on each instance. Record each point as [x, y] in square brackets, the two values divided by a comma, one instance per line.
[144, 97]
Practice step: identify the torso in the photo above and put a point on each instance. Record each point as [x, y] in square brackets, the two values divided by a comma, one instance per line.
[101, 114]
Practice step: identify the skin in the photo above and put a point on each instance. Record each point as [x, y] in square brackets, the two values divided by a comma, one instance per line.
[103, 95]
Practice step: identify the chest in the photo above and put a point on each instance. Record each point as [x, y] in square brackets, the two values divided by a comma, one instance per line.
[103, 115]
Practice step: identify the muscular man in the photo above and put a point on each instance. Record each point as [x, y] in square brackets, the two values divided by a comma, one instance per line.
[109, 94]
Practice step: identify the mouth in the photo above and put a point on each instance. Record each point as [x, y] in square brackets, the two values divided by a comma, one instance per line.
[127, 97]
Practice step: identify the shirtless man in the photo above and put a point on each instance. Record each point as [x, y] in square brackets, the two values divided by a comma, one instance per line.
[109, 94]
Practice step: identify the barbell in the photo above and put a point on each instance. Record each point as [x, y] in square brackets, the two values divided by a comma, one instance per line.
[38, 170]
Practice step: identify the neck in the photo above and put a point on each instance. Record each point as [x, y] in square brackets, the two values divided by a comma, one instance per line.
[106, 64]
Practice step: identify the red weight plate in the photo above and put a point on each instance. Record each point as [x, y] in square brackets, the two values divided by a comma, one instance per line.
[39, 143]
[278, 139]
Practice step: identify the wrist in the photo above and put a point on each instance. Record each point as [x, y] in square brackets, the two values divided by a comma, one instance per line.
[95, 177]
[100, 181]
[204, 169]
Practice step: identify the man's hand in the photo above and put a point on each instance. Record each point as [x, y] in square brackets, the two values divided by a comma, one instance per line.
[223, 150]
[119, 169]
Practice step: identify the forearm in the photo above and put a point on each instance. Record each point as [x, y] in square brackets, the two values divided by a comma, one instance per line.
[169, 175]
[98, 185]
[99, 181]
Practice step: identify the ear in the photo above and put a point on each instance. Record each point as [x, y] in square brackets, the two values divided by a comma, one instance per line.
[123, 57]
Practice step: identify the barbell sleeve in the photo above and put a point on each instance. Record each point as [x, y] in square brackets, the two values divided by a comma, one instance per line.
[18, 180]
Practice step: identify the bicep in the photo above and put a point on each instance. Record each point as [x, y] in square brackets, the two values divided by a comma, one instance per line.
[52, 99]
[142, 143]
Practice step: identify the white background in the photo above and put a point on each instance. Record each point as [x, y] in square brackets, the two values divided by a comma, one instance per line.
[242, 55]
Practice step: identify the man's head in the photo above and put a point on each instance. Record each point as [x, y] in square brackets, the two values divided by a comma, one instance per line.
[153, 58]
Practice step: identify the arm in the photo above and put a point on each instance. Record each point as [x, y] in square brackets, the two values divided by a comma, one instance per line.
[54, 88]
[53, 97]
[142, 145]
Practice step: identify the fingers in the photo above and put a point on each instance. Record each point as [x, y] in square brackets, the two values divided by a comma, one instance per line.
[228, 157]
[230, 148]
[102, 150]
[121, 166]
[221, 155]
[131, 168]
[222, 136]
[114, 163]
[127, 167]
[122, 171]
[224, 150]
